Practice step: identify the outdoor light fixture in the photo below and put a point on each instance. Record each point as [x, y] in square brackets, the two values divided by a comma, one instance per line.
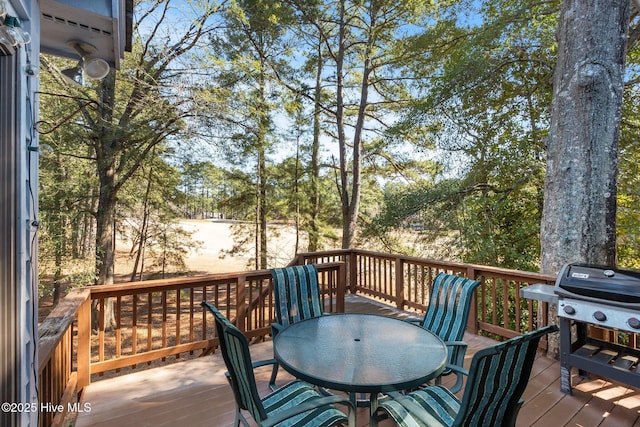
[11, 32]
[96, 68]
[74, 74]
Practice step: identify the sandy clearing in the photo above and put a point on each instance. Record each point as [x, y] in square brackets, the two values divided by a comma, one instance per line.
[213, 239]
[216, 237]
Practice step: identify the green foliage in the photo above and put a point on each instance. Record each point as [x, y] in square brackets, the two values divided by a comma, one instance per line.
[102, 135]
[628, 216]
[446, 104]
[168, 247]
[202, 186]
[485, 106]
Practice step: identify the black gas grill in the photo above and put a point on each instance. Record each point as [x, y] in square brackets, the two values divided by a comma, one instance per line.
[609, 298]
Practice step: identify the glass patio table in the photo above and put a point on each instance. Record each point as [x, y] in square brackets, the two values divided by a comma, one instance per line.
[360, 353]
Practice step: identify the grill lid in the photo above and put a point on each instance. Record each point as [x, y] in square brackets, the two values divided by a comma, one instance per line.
[598, 283]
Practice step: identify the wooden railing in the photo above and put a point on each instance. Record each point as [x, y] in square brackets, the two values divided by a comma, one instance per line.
[154, 320]
[405, 282]
[161, 319]
[57, 380]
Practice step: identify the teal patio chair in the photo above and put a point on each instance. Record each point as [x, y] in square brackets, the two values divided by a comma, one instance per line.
[295, 404]
[497, 377]
[296, 297]
[447, 315]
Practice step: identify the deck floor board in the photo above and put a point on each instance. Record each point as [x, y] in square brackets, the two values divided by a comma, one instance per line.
[196, 393]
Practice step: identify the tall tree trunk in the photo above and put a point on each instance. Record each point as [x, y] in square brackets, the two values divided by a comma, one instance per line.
[143, 233]
[105, 253]
[579, 210]
[262, 179]
[349, 234]
[263, 124]
[256, 228]
[296, 195]
[342, 139]
[164, 252]
[580, 189]
[60, 236]
[107, 200]
[314, 232]
[351, 201]
[105, 230]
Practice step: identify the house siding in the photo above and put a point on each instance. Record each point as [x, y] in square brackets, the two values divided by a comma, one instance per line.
[18, 208]
[9, 316]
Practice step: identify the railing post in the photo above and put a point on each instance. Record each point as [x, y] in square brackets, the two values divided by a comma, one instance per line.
[353, 271]
[84, 343]
[472, 321]
[400, 297]
[241, 306]
[341, 289]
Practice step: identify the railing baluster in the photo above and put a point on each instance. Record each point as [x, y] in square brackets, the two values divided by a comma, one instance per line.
[101, 332]
[149, 322]
[505, 303]
[494, 302]
[178, 319]
[118, 326]
[204, 314]
[134, 326]
[164, 321]
[401, 291]
[192, 310]
[518, 317]
[241, 294]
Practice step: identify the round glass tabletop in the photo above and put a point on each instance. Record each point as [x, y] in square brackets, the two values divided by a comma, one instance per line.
[360, 353]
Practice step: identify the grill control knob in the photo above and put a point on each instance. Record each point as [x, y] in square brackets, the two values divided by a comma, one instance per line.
[569, 310]
[634, 323]
[600, 316]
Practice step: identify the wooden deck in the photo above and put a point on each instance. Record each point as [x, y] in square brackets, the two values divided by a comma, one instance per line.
[195, 393]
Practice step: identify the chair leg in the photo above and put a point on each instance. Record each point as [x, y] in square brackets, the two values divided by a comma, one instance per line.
[352, 417]
[272, 380]
[511, 422]
[240, 419]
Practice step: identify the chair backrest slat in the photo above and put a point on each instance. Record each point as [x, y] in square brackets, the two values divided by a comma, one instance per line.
[296, 293]
[449, 303]
[498, 376]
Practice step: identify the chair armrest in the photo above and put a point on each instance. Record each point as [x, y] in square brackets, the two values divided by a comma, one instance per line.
[457, 369]
[306, 406]
[265, 362]
[255, 365]
[457, 350]
[456, 344]
[275, 328]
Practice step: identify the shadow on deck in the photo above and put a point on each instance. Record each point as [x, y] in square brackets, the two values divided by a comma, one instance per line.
[196, 393]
